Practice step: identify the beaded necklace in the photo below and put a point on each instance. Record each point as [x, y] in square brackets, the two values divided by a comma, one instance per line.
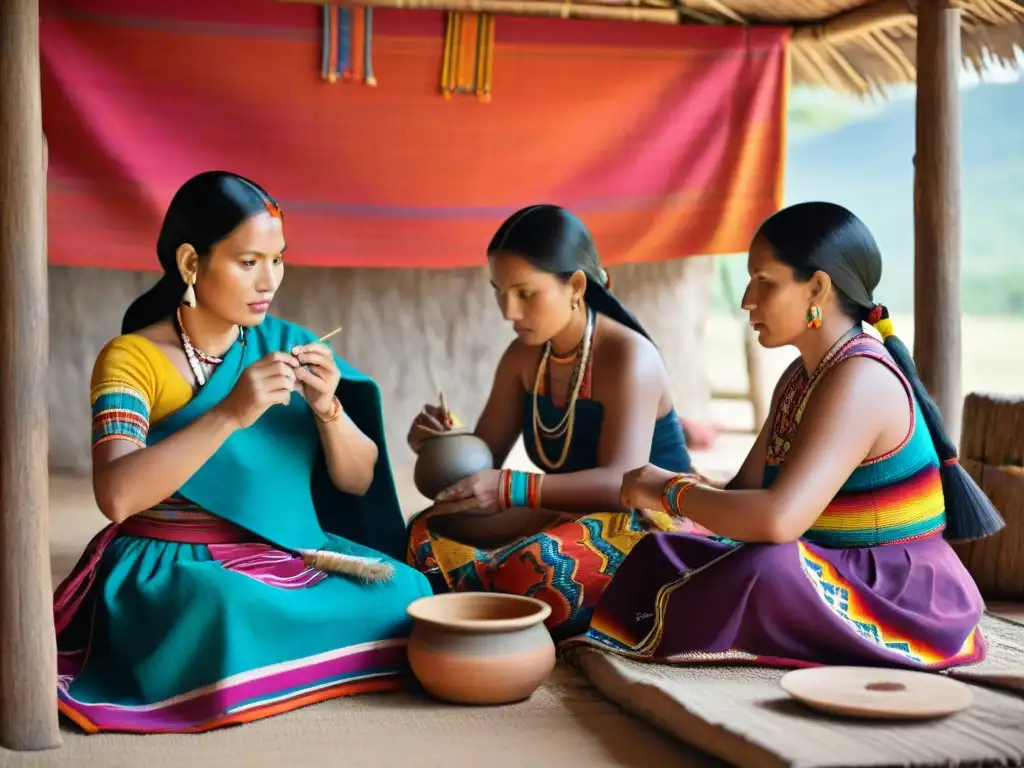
[202, 364]
[565, 426]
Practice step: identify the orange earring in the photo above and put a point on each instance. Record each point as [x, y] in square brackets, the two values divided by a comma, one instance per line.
[814, 317]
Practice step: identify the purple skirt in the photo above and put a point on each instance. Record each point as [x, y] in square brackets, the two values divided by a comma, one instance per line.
[686, 598]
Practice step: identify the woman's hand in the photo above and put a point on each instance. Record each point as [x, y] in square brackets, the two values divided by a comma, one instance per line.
[429, 422]
[476, 492]
[642, 488]
[269, 381]
[318, 376]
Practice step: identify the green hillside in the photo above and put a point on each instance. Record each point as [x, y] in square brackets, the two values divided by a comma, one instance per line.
[859, 155]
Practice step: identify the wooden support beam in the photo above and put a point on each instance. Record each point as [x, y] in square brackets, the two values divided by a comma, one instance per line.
[937, 227]
[565, 10]
[857, 22]
[28, 652]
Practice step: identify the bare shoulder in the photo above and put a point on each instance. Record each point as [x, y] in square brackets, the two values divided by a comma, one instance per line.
[632, 354]
[863, 383]
[516, 361]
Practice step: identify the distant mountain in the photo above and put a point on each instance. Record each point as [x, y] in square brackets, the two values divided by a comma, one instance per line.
[860, 155]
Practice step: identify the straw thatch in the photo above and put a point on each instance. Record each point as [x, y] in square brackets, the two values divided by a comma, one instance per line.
[856, 46]
[868, 46]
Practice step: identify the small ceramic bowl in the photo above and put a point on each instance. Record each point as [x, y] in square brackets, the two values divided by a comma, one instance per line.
[480, 648]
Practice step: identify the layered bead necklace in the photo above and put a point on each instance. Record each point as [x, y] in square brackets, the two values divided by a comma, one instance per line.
[202, 364]
[564, 428]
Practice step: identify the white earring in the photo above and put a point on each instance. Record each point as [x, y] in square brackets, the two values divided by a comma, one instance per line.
[189, 297]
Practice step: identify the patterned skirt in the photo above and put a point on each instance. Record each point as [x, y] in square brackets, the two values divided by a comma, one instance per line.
[188, 625]
[567, 565]
[683, 598]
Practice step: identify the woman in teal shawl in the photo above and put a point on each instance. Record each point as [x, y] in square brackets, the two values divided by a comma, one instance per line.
[252, 563]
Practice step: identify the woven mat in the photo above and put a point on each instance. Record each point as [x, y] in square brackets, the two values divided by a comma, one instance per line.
[741, 715]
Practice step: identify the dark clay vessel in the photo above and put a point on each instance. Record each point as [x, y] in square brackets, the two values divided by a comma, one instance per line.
[445, 459]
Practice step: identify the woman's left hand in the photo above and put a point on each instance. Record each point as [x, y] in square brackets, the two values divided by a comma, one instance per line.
[319, 377]
[476, 492]
[642, 488]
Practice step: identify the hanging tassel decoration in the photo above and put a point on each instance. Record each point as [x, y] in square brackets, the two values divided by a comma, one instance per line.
[485, 58]
[468, 56]
[326, 43]
[346, 44]
[344, 27]
[447, 81]
[368, 77]
[354, 73]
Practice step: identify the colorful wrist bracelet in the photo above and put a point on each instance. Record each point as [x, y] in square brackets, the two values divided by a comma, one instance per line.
[519, 489]
[672, 496]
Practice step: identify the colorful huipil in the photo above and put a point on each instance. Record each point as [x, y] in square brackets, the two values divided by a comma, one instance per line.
[872, 582]
[198, 613]
[567, 564]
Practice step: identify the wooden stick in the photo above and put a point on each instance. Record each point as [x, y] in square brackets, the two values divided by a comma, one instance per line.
[854, 23]
[719, 7]
[335, 332]
[908, 68]
[860, 84]
[444, 409]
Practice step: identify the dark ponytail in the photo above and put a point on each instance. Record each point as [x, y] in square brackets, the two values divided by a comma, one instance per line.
[556, 241]
[969, 513]
[205, 210]
[809, 237]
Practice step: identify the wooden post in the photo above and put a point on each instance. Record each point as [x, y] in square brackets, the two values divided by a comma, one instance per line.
[28, 652]
[937, 235]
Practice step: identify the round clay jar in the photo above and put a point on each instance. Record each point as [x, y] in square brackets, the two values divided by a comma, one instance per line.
[480, 648]
[447, 458]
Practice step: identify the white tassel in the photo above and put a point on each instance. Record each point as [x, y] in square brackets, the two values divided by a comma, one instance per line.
[366, 569]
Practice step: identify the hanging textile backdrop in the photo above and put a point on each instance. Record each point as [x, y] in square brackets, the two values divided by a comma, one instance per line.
[667, 141]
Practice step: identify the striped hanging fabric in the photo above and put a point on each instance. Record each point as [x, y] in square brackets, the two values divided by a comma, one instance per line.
[468, 60]
[346, 51]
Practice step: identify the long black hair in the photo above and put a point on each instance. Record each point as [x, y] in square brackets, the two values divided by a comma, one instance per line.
[205, 210]
[555, 241]
[809, 237]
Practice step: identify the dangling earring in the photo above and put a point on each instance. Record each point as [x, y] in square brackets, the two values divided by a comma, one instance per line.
[189, 297]
[814, 317]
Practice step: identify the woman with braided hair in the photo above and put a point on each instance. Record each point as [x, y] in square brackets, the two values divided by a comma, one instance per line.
[830, 546]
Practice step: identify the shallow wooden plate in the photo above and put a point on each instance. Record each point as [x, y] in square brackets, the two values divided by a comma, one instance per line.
[877, 693]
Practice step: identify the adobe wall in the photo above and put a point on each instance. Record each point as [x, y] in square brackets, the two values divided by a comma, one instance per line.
[412, 330]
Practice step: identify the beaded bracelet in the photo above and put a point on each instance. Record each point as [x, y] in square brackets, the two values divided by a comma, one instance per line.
[519, 489]
[674, 491]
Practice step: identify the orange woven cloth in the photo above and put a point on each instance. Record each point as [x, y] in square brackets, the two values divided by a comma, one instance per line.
[667, 140]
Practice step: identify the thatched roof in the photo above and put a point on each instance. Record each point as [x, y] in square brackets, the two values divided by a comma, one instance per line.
[856, 46]
[865, 46]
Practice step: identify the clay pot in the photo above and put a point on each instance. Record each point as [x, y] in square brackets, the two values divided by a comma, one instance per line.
[480, 648]
[447, 458]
